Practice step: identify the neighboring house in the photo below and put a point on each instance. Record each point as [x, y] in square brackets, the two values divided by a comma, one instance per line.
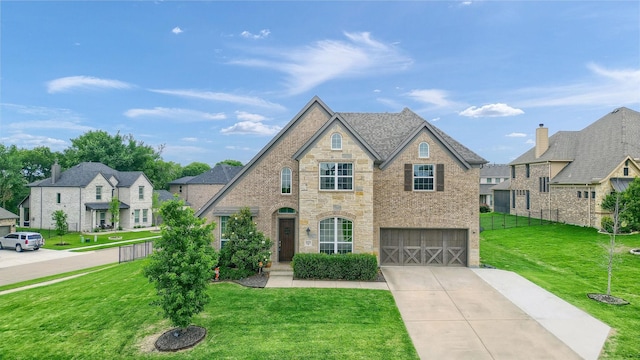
[490, 176]
[389, 184]
[84, 193]
[502, 197]
[566, 176]
[163, 195]
[197, 190]
[7, 221]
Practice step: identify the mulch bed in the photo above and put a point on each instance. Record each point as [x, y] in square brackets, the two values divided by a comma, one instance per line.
[188, 338]
[607, 299]
[260, 280]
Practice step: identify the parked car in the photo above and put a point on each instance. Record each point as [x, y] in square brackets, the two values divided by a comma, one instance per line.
[22, 240]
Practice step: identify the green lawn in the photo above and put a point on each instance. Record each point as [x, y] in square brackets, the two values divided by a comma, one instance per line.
[108, 315]
[75, 240]
[499, 221]
[570, 262]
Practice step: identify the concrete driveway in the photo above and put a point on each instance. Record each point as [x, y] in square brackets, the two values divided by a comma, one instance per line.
[452, 313]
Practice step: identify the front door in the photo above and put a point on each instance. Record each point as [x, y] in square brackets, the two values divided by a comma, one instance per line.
[286, 239]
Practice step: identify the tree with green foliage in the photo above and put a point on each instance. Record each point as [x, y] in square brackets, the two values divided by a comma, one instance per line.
[181, 265]
[60, 219]
[155, 207]
[37, 162]
[161, 173]
[12, 181]
[195, 168]
[230, 162]
[114, 209]
[629, 201]
[247, 246]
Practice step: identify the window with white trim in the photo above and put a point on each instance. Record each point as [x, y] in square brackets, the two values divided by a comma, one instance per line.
[145, 214]
[423, 177]
[423, 150]
[136, 216]
[336, 176]
[336, 236]
[336, 142]
[224, 237]
[140, 192]
[98, 192]
[285, 181]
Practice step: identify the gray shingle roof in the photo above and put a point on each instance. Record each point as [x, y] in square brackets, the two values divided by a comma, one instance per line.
[495, 170]
[6, 214]
[220, 174]
[594, 151]
[81, 175]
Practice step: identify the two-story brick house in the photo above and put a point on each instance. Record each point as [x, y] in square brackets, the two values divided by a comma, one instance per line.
[566, 176]
[490, 176]
[84, 193]
[390, 184]
[197, 190]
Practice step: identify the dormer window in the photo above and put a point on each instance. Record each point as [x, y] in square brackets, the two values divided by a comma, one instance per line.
[423, 150]
[336, 142]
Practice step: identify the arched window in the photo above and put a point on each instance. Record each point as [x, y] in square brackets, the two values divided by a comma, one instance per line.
[285, 181]
[423, 150]
[336, 142]
[336, 236]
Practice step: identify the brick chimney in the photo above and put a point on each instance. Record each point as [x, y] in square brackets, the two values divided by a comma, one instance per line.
[542, 140]
[55, 172]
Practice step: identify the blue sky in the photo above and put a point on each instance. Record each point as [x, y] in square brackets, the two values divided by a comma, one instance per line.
[217, 80]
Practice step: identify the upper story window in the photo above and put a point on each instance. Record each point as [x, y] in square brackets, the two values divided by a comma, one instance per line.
[489, 180]
[513, 171]
[336, 176]
[336, 142]
[625, 171]
[141, 192]
[285, 181]
[58, 198]
[336, 236]
[527, 170]
[423, 176]
[423, 150]
[98, 192]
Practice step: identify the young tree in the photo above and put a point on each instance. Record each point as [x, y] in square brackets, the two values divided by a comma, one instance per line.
[155, 207]
[182, 263]
[114, 209]
[60, 218]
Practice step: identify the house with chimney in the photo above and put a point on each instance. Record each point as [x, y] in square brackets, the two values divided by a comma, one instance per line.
[84, 192]
[565, 177]
[389, 184]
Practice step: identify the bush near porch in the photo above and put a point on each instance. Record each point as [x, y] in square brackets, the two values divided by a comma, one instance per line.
[363, 267]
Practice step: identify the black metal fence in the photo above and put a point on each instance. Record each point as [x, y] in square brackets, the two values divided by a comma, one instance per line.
[495, 221]
[135, 251]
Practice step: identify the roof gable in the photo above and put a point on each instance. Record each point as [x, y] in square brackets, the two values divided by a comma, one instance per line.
[83, 174]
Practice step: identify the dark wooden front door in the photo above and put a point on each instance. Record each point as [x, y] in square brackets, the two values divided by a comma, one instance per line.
[286, 239]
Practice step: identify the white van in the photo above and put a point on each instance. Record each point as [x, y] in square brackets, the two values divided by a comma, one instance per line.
[22, 240]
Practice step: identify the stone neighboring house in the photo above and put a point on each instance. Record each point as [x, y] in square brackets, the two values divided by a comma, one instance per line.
[7, 221]
[84, 193]
[566, 176]
[490, 176]
[389, 184]
[197, 190]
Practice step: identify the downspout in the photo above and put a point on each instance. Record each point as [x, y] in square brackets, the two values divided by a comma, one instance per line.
[41, 223]
[80, 208]
[549, 186]
[588, 205]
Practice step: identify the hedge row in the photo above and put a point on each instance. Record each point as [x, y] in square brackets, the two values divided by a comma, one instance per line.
[335, 267]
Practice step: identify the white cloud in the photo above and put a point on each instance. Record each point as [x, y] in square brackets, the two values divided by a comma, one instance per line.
[605, 87]
[84, 82]
[29, 141]
[243, 148]
[431, 96]
[223, 97]
[250, 128]
[261, 35]
[176, 30]
[491, 110]
[309, 66]
[245, 116]
[190, 139]
[175, 113]
[435, 119]
[57, 124]
[516, 134]
[530, 142]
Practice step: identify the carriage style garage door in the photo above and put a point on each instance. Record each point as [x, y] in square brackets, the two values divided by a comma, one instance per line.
[446, 247]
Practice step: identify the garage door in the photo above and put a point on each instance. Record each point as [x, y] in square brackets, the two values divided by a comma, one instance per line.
[446, 247]
[4, 230]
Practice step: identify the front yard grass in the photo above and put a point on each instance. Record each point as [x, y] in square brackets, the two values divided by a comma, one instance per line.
[74, 240]
[108, 315]
[570, 262]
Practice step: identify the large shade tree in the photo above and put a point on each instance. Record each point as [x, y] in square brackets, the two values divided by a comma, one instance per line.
[12, 181]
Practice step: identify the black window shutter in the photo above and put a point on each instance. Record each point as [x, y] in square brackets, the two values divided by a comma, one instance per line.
[408, 177]
[439, 177]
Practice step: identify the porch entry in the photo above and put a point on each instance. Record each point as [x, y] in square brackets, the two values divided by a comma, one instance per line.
[286, 239]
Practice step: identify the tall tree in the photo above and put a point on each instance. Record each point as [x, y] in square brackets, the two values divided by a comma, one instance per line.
[195, 168]
[230, 162]
[37, 162]
[161, 173]
[181, 265]
[12, 181]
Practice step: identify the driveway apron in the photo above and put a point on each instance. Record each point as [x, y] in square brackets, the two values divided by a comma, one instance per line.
[451, 313]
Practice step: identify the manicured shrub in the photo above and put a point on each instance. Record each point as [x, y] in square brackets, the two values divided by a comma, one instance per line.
[246, 247]
[484, 208]
[607, 224]
[335, 267]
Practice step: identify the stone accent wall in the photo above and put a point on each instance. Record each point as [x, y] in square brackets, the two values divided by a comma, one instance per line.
[454, 208]
[260, 186]
[355, 205]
